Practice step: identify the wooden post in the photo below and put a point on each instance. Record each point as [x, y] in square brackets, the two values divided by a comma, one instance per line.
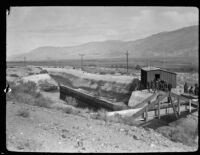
[166, 111]
[185, 107]
[143, 115]
[146, 115]
[158, 109]
[190, 106]
[179, 107]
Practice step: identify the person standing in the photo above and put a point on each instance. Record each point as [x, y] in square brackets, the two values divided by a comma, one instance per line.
[185, 88]
[148, 86]
[169, 87]
[196, 90]
[191, 90]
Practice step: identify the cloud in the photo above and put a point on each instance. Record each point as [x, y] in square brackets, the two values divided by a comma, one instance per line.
[189, 18]
[31, 27]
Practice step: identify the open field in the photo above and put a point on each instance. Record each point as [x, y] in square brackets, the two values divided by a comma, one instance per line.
[119, 64]
[73, 129]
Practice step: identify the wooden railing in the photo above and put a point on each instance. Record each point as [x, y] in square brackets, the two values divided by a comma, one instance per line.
[157, 106]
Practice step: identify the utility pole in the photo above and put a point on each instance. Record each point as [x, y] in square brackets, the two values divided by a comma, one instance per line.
[164, 63]
[126, 61]
[24, 61]
[81, 61]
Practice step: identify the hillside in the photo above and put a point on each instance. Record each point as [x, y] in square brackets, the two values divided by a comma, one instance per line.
[178, 43]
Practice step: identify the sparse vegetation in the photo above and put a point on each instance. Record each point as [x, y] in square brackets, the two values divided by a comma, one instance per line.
[30, 73]
[137, 67]
[43, 71]
[27, 93]
[46, 86]
[182, 131]
[23, 113]
[14, 75]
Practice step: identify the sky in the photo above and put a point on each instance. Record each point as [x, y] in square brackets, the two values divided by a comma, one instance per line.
[32, 27]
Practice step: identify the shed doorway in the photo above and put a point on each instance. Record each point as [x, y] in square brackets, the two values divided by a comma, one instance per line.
[157, 76]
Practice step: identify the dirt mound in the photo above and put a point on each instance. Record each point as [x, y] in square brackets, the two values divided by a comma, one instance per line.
[184, 130]
[44, 81]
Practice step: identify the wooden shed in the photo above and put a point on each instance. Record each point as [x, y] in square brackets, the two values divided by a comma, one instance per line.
[150, 73]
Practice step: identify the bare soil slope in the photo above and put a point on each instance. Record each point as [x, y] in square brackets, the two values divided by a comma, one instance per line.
[31, 128]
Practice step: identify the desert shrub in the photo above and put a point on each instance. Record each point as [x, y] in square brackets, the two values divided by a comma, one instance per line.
[14, 75]
[30, 73]
[102, 72]
[43, 102]
[71, 101]
[26, 92]
[46, 86]
[177, 134]
[25, 87]
[23, 113]
[100, 114]
[43, 71]
[71, 111]
[137, 67]
[112, 72]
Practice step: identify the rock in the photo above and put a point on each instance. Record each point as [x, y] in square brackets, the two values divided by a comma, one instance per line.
[122, 130]
[63, 136]
[65, 130]
[136, 137]
[152, 145]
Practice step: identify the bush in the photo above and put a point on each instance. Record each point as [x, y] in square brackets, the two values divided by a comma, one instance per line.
[46, 86]
[23, 113]
[43, 102]
[102, 72]
[14, 75]
[27, 93]
[43, 71]
[30, 73]
[137, 67]
[71, 101]
[69, 110]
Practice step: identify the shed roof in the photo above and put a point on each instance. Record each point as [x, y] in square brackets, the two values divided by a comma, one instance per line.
[151, 68]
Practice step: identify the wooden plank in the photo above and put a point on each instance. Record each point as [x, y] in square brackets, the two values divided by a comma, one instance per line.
[139, 113]
[166, 110]
[174, 109]
[146, 114]
[180, 97]
[179, 107]
[123, 113]
[190, 107]
[158, 109]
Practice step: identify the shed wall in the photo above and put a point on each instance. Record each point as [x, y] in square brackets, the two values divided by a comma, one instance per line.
[150, 75]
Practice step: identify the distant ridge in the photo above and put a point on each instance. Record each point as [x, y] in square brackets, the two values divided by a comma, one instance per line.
[178, 43]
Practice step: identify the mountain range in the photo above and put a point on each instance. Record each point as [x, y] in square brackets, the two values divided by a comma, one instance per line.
[177, 43]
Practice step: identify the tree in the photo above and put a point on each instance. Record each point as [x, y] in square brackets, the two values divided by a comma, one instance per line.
[137, 67]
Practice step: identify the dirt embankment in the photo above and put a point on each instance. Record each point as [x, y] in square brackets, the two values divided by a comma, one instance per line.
[184, 130]
[111, 87]
[32, 128]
